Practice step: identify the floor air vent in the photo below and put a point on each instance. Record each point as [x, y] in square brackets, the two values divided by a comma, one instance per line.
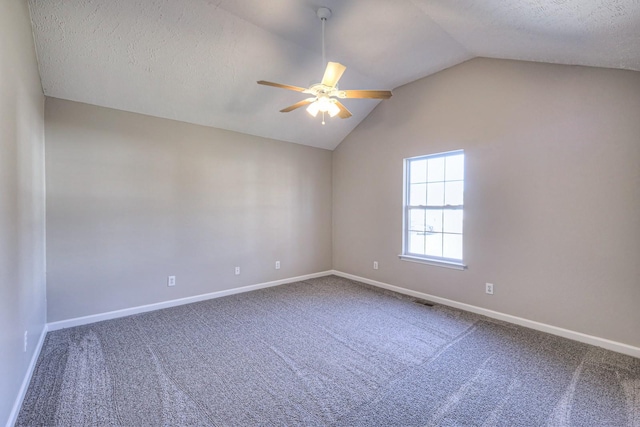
[423, 302]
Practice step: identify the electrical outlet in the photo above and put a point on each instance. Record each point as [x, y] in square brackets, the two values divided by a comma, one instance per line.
[489, 288]
[171, 281]
[375, 265]
[237, 271]
[277, 265]
[26, 341]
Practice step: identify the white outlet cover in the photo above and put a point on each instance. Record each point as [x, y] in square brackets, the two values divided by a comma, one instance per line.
[237, 271]
[277, 265]
[171, 281]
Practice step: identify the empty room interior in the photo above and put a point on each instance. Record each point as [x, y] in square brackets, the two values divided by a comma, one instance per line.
[332, 212]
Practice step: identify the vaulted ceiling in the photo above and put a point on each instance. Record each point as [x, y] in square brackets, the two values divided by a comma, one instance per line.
[198, 60]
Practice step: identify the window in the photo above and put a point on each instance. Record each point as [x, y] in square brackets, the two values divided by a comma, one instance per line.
[433, 209]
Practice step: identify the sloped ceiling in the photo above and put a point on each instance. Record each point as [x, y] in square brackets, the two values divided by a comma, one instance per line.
[198, 60]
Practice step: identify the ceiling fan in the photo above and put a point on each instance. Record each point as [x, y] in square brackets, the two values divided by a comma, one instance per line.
[325, 94]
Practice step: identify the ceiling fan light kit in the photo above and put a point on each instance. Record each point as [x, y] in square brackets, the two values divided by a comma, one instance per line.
[325, 93]
[325, 105]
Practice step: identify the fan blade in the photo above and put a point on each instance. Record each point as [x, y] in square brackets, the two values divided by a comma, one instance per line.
[332, 74]
[344, 113]
[296, 88]
[298, 105]
[372, 94]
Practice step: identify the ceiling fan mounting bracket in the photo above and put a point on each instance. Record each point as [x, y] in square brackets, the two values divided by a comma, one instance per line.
[323, 13]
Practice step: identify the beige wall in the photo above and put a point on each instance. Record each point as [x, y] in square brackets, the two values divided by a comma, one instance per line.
[22, 283]
[552, 191]
[132, 199]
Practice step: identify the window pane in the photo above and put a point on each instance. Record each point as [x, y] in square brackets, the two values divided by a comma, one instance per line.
[433, 245]
[435, 194]
[452, 246]
[418, 170]
[453, 221]
[435, 169]
[434, 221]
[418, 194]
[454, 192]
[416, 243]
[416, 220]
[454, 168]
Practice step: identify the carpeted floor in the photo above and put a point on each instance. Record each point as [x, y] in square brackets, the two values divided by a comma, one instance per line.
[327, 351]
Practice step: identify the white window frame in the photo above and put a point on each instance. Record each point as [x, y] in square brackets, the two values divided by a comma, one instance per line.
[457, 264]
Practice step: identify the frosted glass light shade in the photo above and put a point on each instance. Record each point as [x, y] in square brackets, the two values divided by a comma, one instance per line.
[313, 108]
[333, 109]
[324, 104]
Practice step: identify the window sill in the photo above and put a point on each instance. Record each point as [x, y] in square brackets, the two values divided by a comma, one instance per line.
[437, 263]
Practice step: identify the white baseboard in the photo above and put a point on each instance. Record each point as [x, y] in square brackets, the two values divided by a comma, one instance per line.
[13, 416]
[62, 324]
[554, 330]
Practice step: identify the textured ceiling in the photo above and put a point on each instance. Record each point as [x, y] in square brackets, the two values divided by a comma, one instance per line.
[198, 60]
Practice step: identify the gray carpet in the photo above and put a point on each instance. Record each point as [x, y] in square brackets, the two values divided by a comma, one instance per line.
[327, 351]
